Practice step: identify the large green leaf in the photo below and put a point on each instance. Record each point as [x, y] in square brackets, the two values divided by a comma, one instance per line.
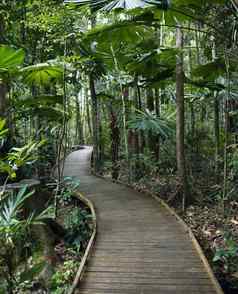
[206, 83]
[12, 204]
[10, 58]
[3, 129]
[211, 70]
[149, 122]
[42, 74]
[197, 3]
[181, 11]
[50, 113]
[42, 100]
[109, 5]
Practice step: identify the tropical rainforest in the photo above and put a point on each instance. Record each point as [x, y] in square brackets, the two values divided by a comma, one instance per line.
[152, 86]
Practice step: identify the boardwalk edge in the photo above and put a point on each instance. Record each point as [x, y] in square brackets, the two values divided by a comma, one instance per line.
[88, 250]
[195, 242]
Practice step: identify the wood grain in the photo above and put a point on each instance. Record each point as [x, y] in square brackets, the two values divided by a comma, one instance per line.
[141, 247]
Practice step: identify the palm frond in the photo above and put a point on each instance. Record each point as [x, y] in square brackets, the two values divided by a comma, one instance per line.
[109, 5]
[42, 73]
[149, 122]
[10, 58]
[11, 206]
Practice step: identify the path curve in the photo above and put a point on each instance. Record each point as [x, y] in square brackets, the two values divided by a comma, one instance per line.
[140, 247]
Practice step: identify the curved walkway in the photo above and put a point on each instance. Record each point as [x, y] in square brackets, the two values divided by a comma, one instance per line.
[140, 248]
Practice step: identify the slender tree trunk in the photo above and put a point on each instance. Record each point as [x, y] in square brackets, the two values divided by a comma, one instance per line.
[225, 167]
[115, 136]
[151, 108]
[138, 137]
[95, 115]
[216, 133]
[180, 120]
[76, 139]
[199, 61]
[88, 115]
[95, 120]
[2, 27]
[157, 93]
[3, 87]
[3, 99]
[192, 124]
[79, 128]
[226, 129]
[150, 100]
[142, 141]
[157, 111]
[216, 119]
[191, 104]
[100, 135]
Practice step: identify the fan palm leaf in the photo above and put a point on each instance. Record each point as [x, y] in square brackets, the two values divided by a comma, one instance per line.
[42, 73]
[149, 122]
[120, 4]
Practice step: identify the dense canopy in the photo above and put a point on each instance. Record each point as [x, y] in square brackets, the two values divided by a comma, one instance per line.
[152, 86]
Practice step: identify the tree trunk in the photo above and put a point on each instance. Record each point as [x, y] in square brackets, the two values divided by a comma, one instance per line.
[2, 27]
[191, 104]
[3, 99]
[216, 119]
[157, 111]
[142, 141]
[3, 87]
[79, 126]
[115, 136]
[180, 120]
[216, 132]
[227, 101]
[192, 124]
[151, 108]
[95, 120]
[138, 136]
[88, 115]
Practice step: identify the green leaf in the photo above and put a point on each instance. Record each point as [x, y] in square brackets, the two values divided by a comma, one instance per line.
[10, 58]
[109, 5]
[42, 100]
[29, 274]
[149, 122]
[3, 131]
[42, 74]
[211, 70]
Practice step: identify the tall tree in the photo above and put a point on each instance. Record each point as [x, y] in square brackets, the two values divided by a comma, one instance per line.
[180, 118]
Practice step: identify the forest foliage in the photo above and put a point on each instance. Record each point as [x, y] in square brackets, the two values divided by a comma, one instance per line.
[152, 85]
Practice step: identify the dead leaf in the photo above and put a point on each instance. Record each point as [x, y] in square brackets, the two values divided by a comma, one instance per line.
[235, 275]
[234, 221]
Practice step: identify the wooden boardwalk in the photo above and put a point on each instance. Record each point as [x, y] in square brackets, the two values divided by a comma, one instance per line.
[140, 247]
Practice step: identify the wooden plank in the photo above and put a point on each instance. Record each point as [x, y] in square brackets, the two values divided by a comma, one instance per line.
[143, 254]
[147, 264]
[146, 291]
[141, 247]
[147, 268]
[147, 281]
[158, 274]
[142, 287]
